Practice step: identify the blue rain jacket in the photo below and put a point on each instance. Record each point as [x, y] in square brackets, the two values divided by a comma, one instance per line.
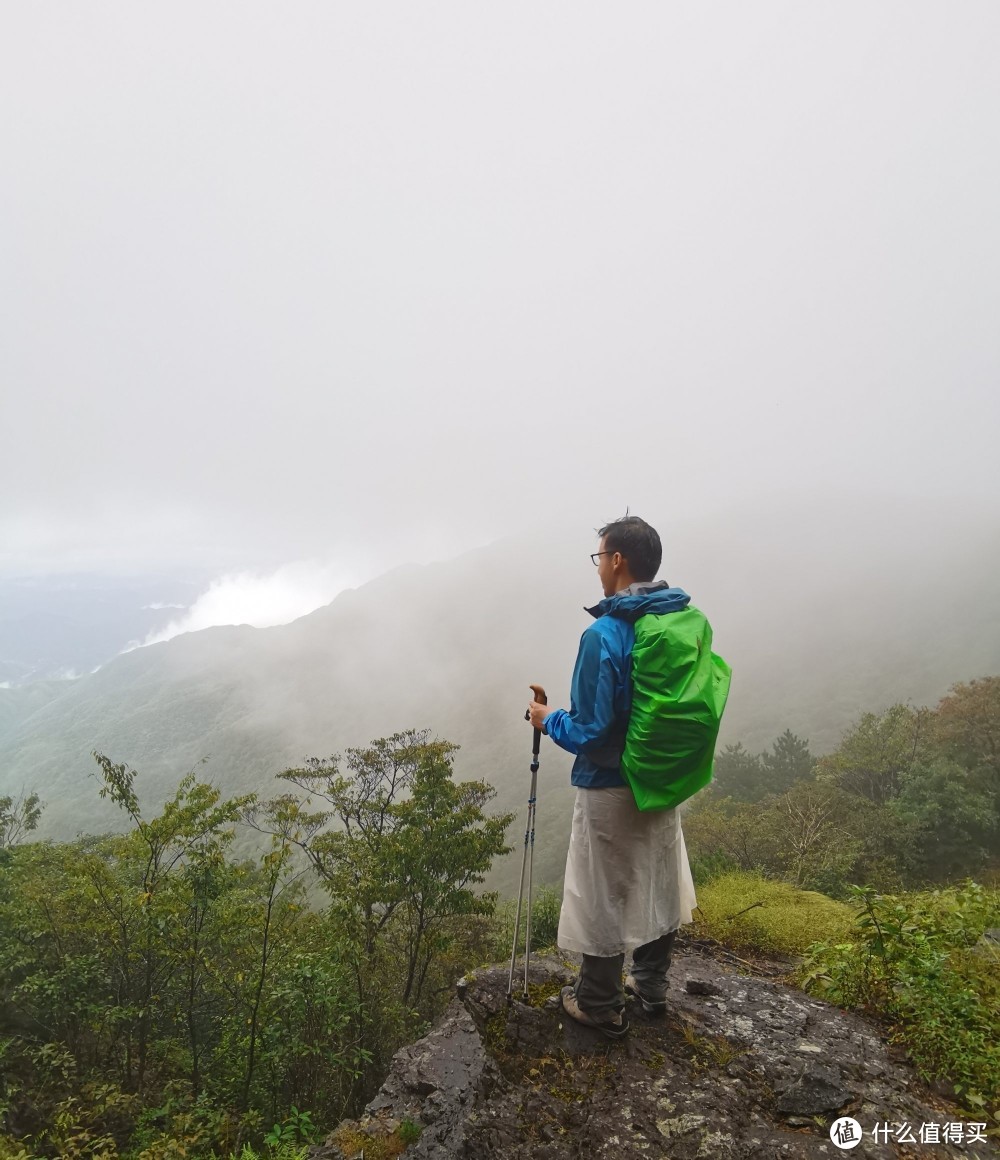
[594, 726]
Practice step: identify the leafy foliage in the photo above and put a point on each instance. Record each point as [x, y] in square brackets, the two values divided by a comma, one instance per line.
[18, 816]
[874, 756]
[399, 850]
[953, 814]
[921, 963]
[161, 999]
[749, 777]
[295, 1128]
[803, 836]
[910, 797]
[546, 904]
[967, 723]
[738, 774]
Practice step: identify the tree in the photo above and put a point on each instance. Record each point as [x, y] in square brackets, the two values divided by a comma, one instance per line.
[813, 825]
[149, 968]
[813, 835]
[873, 757]
[186, 841]
[731, 830]
[788, 761]
[749, 777]
[18, 816]
[967, 723]
[739, 774]
[954, 819]
[399, 850]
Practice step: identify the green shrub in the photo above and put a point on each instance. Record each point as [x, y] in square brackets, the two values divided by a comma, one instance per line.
[707, 867]
[281, 1152]
[409, 1131]
[12, 1150]
[545, 907]
[295, 1128]
[919, 963]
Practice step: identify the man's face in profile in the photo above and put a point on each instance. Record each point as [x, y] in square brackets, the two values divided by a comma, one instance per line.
[605, 568]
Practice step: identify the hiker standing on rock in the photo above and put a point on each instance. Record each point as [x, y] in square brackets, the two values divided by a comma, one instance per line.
[646, 697]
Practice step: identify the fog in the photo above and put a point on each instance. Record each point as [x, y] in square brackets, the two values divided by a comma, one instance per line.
[294, 295]
[260, 600]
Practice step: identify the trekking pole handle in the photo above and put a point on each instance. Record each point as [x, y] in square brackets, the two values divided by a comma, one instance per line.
[541, 698]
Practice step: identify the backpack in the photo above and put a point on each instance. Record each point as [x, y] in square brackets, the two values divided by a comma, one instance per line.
[679, 692]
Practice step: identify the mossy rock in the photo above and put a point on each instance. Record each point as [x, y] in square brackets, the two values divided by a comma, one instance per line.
[776, 918]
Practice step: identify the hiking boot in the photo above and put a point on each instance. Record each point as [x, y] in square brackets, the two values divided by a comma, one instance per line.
[615, 1027]
[650, 1005]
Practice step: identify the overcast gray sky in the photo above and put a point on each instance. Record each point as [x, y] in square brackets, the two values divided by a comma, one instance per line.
[338, 282]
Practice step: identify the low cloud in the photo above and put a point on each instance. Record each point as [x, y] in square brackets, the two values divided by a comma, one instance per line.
[259, 599]
[157, 605]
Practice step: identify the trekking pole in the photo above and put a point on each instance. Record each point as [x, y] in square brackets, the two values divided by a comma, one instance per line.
[529, 841]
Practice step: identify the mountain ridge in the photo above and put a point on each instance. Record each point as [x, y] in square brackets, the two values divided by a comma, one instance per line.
[452, 647]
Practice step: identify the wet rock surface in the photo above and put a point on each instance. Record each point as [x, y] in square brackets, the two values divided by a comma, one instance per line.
[741, 1066]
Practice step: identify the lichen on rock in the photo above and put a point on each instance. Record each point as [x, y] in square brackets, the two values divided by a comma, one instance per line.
[742, 1066]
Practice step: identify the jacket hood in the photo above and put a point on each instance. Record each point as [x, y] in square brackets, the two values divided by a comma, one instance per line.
[655, 597]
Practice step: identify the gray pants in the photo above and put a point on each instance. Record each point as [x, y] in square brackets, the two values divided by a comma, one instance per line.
[599, 987]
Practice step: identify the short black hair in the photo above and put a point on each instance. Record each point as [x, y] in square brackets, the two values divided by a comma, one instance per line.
[637, 542]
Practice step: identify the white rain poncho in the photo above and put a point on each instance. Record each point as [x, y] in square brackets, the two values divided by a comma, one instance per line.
[628, 879]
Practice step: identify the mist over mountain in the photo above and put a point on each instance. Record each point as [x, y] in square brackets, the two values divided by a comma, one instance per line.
[62, 627]
[822, 611]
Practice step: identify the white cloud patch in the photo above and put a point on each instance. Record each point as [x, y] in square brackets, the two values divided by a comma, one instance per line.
[259, 599]
[157, 605]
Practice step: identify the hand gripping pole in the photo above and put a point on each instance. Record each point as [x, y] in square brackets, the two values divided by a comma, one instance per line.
[527, 857]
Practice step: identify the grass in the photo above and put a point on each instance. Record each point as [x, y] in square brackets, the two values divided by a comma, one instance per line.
[711, 1051]
[354, 1143]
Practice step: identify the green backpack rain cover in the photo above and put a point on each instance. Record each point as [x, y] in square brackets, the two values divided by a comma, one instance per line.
[679, 691]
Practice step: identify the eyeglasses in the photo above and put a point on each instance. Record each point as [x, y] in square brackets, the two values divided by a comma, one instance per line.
[595, 556]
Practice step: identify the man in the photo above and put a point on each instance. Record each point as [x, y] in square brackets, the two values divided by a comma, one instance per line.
[628, 884]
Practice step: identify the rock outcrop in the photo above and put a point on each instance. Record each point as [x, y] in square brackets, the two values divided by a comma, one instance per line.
[742, 1066]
